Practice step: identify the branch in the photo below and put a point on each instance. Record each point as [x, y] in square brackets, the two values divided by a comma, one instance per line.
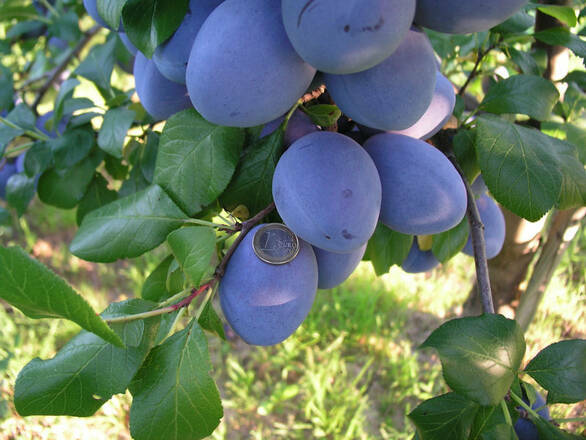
[61, 67]
[244, 229]
[474, 71]
[476, 230]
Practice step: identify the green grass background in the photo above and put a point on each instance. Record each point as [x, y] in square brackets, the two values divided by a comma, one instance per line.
[352, 371]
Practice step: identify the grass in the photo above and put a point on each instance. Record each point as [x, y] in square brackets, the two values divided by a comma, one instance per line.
[352, 371]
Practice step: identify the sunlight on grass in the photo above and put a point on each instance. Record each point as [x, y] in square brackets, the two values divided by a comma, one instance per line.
[352, 370]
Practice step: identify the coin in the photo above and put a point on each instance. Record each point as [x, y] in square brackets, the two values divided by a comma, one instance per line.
[275, 243]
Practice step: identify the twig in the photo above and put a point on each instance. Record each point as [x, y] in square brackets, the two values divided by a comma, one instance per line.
[474, 71]
[476, 229]
[61, 67]
[244, 229]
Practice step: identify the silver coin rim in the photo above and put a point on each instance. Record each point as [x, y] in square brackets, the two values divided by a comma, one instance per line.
[280, 226]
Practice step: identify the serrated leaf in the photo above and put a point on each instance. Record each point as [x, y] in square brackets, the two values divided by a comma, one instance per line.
[518, 166]
[252, 183]
[486, 418]
[148, 23]
[323, 115]
[209, 320]
[196, 159]
[480, 356]
[117, 122]
[466, 154]
[97, 66]
[524, 94]
[448, 416]
[560, 368]
[127, 227]
[20, 190]
[87, 371]
[174, 396]
[97, 195]
[39, 293]
[561, 36]
[387, 248]
[195, 249]
[155, 285]
[66, 188]
[447, 244]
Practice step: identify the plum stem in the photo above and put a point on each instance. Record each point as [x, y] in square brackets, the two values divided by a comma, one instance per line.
[61, 67]
[168, 306]
[523, 405]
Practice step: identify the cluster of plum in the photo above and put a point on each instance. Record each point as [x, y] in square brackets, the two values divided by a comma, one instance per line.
[245, 63]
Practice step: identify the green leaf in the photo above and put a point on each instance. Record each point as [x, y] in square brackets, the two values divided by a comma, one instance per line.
[96, 196]
[525, 61]
[87, 371]
[174, 396]
[386, 248]
[480, 356]
[565, 14]
[5, 218]
[486, 418]
[499, 432]
[117, 122]
[73, 147]
[196, 159]
[519, 166]
[65, 93]
[195, 250]
[561, 369]
[23, 117]
[111, 11]
[323, 115]
[209, 320]
[148, 23]
[550, 432]
[97, 66]
[66, 188]
[448, 416]
[447, 244]
[127, 227]
[573, 190]
[6, 88]
[20, 190]
[38, 158]
[561, 36]
[524, 94]
[155, 286]
[466, 153]
[39, 293]
[252, 183]
[175, 282]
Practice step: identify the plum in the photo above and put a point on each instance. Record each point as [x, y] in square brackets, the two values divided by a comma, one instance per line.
[299, 125]
[478, 187]
[346, 37]
[266, 303]
[242, 70]
[423, 194]
[494, 227]
[437, 114]
[160, 97]
[327, 190]
[525, 428]
[91, 7]
[394, 94]
[7, 170]
[333, 268]
[171, 57]
[462, 17]
[419, 261]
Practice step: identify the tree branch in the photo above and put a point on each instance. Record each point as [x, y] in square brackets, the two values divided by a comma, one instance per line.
[61, 67]
[474, 71]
